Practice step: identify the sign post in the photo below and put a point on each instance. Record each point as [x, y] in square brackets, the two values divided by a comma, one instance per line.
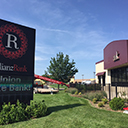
[17, 51]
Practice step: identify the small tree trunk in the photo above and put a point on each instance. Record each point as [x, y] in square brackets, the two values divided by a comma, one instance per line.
[58, 86]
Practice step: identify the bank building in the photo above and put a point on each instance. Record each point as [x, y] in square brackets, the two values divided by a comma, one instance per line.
[112, 71]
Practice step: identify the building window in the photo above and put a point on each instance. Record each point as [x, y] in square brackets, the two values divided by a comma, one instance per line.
[127, 74]
[119, 76]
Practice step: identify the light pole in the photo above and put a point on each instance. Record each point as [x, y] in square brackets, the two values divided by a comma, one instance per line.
[94, 82]
[82, 77]
[94, 76]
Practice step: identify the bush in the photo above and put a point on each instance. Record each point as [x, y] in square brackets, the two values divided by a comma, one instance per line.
[11, 113]
[79, 93]
[83, 91]
[126, 100]
[105, 101]
[117, 103]
[76, 92]
[65, 90]
[90, 87]
[36, 109]
[100, 104]
[79, 87]
[104, 94]
[99, 95]
[94, 100]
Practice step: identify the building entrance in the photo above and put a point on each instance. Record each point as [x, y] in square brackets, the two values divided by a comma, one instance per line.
[101, 79]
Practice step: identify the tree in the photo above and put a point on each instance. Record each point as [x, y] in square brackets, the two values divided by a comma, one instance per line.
[46, 75]
[61, 69]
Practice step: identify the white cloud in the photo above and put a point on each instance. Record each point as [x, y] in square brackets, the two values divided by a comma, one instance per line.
[56, 30]
[38, 58]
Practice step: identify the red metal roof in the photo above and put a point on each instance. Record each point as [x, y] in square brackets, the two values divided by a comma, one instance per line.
[100, 61]
[116, 54]
[100, 74]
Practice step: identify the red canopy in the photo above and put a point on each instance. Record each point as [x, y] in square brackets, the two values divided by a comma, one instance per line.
[100, 74]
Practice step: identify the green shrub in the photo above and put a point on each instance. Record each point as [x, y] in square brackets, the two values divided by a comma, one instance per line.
[98, 94]
[36, 109]
[116, 103]
[18, 112]
[104, 94]
[65, 89]
[76, 92]
[79, 93]
[91, 96]
[11, 113]
[83, 91]
[105, 101]
[100, 104]
[126, 100]
[87, 87]
[94, 100]
[4, 115]
[73, 91]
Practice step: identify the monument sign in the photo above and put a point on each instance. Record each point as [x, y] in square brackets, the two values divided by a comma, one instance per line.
[17, 50]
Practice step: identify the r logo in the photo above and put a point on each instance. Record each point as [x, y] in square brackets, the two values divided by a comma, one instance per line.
[13, 42]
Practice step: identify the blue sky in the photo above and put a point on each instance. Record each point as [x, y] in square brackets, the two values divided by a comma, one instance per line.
[78, 28]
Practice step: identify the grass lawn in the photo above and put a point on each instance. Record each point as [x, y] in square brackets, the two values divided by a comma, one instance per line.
[72, 112]
[56, 86]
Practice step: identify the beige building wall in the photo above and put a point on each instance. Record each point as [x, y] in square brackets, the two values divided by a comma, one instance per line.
[99, 69]
[108, 77]
[72, 80]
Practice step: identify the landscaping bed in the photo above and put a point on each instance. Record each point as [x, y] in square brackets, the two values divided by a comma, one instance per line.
[106, 106]
[99, 96]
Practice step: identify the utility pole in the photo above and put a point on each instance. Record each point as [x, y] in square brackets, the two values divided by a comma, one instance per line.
[82, 77]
